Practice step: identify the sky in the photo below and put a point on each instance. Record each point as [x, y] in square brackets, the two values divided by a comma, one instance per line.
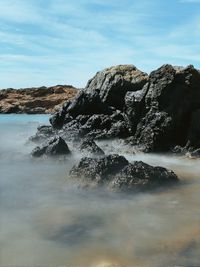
[49, 42]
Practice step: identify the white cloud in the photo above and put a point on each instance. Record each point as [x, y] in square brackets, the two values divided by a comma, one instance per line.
[68, 41]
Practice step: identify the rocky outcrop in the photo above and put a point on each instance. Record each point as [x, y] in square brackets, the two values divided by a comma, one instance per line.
[140, 176]
[90, 148]
[195, 154]
[83, 104]
[155, 113]
[170, 115]
[98, 126]
[43, 133]
[98, 171]
[54, 147]
[116, 173]
[98, 110]
[114, 82]
[35, 100]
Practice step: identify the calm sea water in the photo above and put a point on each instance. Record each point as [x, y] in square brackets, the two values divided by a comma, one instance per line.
[46, 221]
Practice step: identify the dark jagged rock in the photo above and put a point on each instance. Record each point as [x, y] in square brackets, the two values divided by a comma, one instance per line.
[154, 131]
[83, 104]
[71, 130]
[43, 132]
[156, 112]
[134, 106]
[117, 173]
[178, 150]
[182, 150]
[89, 147]
[98, 101]
[140, 176]
[98, 126]
[194, 129]
[39, 151]
[173, 96]
[54, 147]
[105, 126]
[57, 119]
[194, 154]
[98, 170]
[88, 104]
[114, 82]
[57, 146]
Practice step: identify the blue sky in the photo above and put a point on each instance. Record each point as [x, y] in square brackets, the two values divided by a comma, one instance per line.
[48, 42]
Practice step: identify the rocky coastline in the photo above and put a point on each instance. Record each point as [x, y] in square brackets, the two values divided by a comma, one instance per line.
[38, 100]
[156, 113]
[159, 112]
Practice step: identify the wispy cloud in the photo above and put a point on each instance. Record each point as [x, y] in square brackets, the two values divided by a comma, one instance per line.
[19, 11]
[61, 41]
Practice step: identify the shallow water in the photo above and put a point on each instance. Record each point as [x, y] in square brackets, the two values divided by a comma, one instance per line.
[44, 220]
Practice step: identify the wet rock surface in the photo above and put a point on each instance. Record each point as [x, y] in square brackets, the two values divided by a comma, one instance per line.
[116, 173]
[140, 176]
[43, 132]
[89, 147]
[54, 147]
[98, 170]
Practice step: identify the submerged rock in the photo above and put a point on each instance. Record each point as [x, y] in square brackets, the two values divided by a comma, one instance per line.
[195, 154]
[140, 176]
[54, 147]
[39, 151]
[117, 173]
[98, 170]
[43, 132]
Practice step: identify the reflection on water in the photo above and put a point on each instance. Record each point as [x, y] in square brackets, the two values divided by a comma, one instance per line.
[46, 221]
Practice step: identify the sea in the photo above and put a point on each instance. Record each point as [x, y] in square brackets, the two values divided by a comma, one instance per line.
[45, 220]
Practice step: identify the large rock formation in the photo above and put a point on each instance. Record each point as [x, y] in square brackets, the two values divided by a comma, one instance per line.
[116, 173]
[98, 110]
[170, 115]
[114, 82]
[35, 100]
[155, 112]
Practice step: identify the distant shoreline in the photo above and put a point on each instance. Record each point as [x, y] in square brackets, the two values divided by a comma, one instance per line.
[35, 100]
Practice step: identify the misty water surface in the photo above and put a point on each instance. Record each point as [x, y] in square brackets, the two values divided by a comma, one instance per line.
[45, 220]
